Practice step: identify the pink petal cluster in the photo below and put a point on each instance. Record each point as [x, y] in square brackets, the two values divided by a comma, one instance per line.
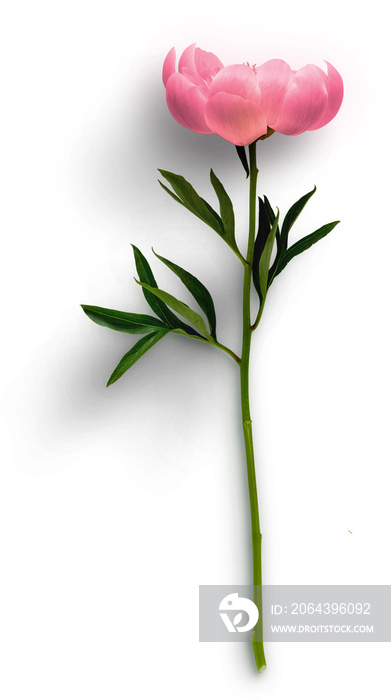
[240, 102]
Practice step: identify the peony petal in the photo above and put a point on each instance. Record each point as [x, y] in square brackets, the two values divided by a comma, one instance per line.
[237, 80]
[186, 103]
[169, 65]
[334, 86]
[207, 64]
[187, 59]
[194, 78]
[273, 78]
[237, 120]
[304, 103]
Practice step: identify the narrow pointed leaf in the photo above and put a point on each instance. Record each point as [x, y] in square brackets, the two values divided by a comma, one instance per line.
[264, 262]
[122, 320]
[157, 305]
[226, 208]
[185, 194]
[146, 275]
[134, 354]
[264, 226]
[170, 192]
[197, 289]
[189, 198]
[181, 308]
[282, 237]
[292, 215]
[271, 216]
[304, 244]
[241, 151]
[216, 216]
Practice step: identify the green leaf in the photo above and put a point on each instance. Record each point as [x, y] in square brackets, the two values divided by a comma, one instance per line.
[134, 354]
[282, 238]
[122, 320]
[197, 289]
[181, 308]
[226, 209]
[304, 244]
[146, 275]
[186, 195]
[292, 215]
[241, 151]
[157, 305]
[264, 226]
[271, 216]
[170, 193]
[264, 262]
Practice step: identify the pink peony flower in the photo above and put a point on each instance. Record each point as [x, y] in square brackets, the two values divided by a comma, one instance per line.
[240, 102]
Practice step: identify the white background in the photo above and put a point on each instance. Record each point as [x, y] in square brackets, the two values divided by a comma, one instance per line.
[115, 504]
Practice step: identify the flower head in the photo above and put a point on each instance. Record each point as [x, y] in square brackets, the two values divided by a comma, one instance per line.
[240, 102]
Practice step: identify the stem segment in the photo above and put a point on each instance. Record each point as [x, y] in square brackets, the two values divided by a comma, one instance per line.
[257, 634]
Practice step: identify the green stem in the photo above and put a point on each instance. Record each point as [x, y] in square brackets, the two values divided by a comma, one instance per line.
[257, 634]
